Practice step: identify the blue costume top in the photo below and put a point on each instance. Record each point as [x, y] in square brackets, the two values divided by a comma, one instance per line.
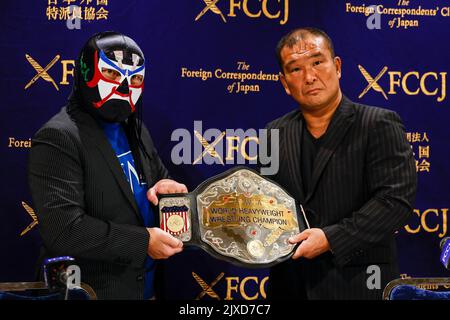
[118, 140]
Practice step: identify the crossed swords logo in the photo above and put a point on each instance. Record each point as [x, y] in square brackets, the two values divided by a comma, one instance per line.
[41, 72]
[372, 82]
[209, 147]
[211, 5]
[33, 216]
[207, 288]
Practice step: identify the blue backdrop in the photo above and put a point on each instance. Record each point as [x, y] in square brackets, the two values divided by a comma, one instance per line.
[403, 46]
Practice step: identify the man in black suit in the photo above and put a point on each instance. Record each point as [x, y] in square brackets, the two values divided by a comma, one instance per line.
[352, 169]
[90, 171]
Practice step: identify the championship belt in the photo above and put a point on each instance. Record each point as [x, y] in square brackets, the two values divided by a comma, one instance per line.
[238, 216]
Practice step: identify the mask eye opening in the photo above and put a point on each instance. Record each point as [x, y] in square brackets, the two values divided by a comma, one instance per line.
[111, 74]
[136, 80]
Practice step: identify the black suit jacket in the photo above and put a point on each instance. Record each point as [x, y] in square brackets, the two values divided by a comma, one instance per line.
[363, 188]
[85, 206]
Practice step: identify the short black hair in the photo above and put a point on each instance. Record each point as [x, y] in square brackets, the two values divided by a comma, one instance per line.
[291, 38]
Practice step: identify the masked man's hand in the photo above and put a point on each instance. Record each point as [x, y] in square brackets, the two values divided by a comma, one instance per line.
[164, 186]
[162, 245]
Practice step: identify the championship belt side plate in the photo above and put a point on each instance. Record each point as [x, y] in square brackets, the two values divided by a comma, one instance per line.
[237, 216]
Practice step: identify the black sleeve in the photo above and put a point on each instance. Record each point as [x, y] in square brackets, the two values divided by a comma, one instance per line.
[56, 181]
[392, 181]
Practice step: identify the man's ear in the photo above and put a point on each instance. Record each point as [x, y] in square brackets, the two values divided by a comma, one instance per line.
[338, 64]
[284, 83]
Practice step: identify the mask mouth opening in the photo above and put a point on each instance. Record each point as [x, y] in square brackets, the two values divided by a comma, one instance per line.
[124, 97]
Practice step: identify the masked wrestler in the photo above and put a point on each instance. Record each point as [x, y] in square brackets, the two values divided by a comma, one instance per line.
[94, 175]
